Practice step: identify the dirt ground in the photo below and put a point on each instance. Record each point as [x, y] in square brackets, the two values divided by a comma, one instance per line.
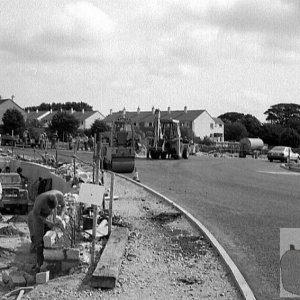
[165, 257]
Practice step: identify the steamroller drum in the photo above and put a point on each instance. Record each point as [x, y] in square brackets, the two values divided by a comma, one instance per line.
[122, 164]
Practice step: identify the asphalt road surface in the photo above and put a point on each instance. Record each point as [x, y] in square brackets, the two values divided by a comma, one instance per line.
[243, 202]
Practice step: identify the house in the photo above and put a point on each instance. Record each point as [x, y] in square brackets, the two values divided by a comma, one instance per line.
[34, 117]
[85, 118]
[200, 121]
[6, 104]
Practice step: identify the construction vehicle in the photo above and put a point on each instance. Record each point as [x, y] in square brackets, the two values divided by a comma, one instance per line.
[118, 147]
[14, 192]
[167, 141]
[251, 146]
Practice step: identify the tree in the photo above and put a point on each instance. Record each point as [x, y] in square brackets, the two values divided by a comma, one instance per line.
[235, 131]
[271, 133]
[231, 117]
[290, 137]
[64, 124]
[283, 113]
[14, 121]
[99, 126]
[252, 124]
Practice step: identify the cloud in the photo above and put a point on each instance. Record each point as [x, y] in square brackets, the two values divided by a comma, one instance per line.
[76, 32]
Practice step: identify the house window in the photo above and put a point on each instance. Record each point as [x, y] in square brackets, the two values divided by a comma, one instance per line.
[220, 125]
[150, 124]
[211, 125]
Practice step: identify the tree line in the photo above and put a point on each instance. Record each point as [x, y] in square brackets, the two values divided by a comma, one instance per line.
[77, 106]
[282, 126]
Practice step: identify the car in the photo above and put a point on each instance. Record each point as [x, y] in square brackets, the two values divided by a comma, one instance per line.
[14, 192]
[283, 154]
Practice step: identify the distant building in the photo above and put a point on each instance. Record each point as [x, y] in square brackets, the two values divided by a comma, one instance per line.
[200, 121]
[6, 104]
[85, 118]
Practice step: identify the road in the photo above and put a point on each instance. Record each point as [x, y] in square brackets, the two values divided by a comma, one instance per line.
[243, 202]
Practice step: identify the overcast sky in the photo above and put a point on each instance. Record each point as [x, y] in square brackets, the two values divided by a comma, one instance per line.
[218, 55]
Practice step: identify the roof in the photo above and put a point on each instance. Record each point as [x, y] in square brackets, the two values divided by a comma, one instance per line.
[218, 121]
[32, 115]
[4, 100]
[148, 116]
[81, 116]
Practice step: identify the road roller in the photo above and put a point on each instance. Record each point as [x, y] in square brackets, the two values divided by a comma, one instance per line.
[118, 149]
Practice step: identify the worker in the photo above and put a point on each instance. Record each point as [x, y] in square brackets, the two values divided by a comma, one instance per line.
[24, 179]
[50, 203]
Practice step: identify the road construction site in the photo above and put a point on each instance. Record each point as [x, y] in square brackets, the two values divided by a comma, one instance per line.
[161, 255]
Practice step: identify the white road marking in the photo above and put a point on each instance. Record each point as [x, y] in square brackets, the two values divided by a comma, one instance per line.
[280, 173]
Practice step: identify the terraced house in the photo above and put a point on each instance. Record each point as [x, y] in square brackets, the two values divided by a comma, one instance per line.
[85, 118]
[200, 121]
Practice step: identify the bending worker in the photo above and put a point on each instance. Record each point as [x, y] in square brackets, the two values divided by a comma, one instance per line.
[46, 204]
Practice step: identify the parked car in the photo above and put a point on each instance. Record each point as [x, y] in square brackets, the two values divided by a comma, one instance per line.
[283, 153]
[14, 192]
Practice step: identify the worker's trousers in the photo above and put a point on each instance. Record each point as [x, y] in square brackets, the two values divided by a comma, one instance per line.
[37, 229]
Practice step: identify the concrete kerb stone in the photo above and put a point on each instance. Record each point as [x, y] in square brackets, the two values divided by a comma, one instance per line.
[237, 275]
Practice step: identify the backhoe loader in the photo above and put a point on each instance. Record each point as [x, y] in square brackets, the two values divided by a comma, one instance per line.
[167, 141]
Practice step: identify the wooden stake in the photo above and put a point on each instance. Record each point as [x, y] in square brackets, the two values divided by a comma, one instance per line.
[111, 202]
[95, 207]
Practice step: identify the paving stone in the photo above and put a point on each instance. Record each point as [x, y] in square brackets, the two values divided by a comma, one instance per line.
[49, 239]
[16, 280]
[54, 254]
[42, 277]
[72, 254]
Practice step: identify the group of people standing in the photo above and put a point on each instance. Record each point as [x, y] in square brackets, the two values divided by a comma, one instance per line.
[81, 142]
[78, 142]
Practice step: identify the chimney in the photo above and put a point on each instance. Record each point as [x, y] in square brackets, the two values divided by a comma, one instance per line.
[138, 110]
[153, 110]
[110, 111]
[83, 110]
[124, 112]
[169, 109]
[185, 109]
